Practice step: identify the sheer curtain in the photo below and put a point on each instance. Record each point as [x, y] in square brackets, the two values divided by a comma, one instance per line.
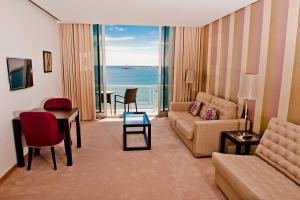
[187, 57]
[77, 67]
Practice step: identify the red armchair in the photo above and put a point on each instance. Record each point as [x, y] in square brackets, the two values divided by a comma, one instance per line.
[58, 104]
[40, 130]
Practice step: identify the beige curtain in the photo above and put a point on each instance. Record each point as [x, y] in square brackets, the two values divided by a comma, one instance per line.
[78, 67]
[187, 56]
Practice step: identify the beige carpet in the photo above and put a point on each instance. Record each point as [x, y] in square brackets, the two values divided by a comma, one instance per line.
[102, 170]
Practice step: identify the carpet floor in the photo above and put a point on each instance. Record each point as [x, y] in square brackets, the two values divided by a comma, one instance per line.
[102, 170]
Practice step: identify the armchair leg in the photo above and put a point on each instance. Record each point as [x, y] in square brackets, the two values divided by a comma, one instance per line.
[53, 157]
[128, 107]
[30, 152]
[124, 107]
[37, 151]
[135, 106]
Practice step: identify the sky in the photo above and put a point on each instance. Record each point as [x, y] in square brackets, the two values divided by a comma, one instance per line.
[131, 45]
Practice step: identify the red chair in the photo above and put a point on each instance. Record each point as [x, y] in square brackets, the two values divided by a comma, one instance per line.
[40, 130]
[58, 104]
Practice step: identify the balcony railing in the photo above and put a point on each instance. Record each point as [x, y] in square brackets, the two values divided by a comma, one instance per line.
[147, 97]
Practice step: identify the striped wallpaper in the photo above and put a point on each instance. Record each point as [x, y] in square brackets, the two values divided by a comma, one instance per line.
[263, 38]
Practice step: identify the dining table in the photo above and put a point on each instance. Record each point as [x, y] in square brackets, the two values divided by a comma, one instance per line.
[64, 118]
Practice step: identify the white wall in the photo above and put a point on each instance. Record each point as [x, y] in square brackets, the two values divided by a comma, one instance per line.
[25, 32]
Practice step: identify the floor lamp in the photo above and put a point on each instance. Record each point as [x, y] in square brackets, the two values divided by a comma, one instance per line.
[189, 79]
[248, 91]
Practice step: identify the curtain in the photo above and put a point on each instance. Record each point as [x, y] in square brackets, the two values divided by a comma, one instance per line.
[77, 67]
[187, 57]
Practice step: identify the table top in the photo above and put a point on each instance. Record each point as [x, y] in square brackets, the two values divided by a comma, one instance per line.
[237, 136]
[59, 114]
[135, 118]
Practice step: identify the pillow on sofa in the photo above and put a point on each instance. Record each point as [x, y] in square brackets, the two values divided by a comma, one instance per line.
[211, 114]
[203, 111]
[194, 110]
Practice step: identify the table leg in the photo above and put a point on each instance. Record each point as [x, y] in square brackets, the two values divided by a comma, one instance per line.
[124, 139]
[78, 131]
[67, 142]
[247, 149]
[149, 137]
[222, 143]
[18, 143]
[238, 149]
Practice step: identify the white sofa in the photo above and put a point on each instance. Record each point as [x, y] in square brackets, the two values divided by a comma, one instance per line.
[202, 137]
[273, 173]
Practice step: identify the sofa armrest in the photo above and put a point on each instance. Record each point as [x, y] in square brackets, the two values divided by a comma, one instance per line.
[207, 134]
[180, 106]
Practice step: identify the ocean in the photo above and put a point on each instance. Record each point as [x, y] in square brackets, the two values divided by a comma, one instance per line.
[145, 78]
[132, 75]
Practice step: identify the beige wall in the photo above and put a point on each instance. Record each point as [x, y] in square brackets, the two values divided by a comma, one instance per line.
[262, 39]
[25, 32]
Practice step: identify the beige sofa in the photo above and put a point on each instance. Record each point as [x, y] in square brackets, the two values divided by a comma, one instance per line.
[273, 173]
[202, 137]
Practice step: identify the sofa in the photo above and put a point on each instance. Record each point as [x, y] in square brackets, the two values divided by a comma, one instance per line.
[272, 173]
[202, 137]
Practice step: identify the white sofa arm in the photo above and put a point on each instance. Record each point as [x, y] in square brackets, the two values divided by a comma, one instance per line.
[207, 134]
[180, 106]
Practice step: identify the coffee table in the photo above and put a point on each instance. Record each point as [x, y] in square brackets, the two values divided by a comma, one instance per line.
[140, 120]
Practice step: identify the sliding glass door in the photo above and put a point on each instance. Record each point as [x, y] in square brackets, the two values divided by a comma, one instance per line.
[133, 57]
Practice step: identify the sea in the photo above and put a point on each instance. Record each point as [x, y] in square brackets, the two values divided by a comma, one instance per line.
[145, 78]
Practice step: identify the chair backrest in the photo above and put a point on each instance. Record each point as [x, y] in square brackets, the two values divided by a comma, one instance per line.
[58, 104]
[280, 147]
[40, 129]
[130, 95]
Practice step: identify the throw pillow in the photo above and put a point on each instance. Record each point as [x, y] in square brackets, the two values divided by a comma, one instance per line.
[195, 108]
[203, 111]
[211, 114]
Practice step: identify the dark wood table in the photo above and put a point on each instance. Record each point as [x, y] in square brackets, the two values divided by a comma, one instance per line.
[64, 117]
[239, 141]
[136, 119]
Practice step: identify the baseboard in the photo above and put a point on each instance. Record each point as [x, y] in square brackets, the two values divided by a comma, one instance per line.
[10, 171]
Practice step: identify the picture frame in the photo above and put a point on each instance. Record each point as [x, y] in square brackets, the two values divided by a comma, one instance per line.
[47, 58]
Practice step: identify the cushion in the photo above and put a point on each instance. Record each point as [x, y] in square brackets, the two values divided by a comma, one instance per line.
[253, 178]
[226, 109]
[204, 98]
[280, 147]
[210, 114]
[203, 110]
[194, 110]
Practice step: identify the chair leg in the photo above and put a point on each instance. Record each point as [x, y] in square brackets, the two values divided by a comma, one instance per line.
[110, 109]
[135, 106]
[53, 157]
[128, 107]
[30, 152]
[37, 152]
[124, 107]
[115, 105]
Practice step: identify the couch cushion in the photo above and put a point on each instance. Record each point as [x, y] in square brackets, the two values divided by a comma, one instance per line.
[253, 178]
[226, 109]
[280, 147]
[185, 122]
[204, 97]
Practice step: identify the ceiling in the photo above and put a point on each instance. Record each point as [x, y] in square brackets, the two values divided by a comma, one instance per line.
[142, 12]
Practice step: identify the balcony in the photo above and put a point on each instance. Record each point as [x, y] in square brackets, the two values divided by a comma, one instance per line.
[147, 99]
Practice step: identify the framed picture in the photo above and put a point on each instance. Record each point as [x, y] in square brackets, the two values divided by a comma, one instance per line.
[47, 57]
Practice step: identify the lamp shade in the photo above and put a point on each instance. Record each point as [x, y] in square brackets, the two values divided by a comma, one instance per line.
[189, 76]
[248, 86]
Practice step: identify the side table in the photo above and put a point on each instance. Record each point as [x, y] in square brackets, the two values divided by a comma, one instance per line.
[237, 138]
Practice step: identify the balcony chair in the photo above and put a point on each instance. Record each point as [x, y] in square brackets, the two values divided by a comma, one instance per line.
[130, 97]
[40, 130]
